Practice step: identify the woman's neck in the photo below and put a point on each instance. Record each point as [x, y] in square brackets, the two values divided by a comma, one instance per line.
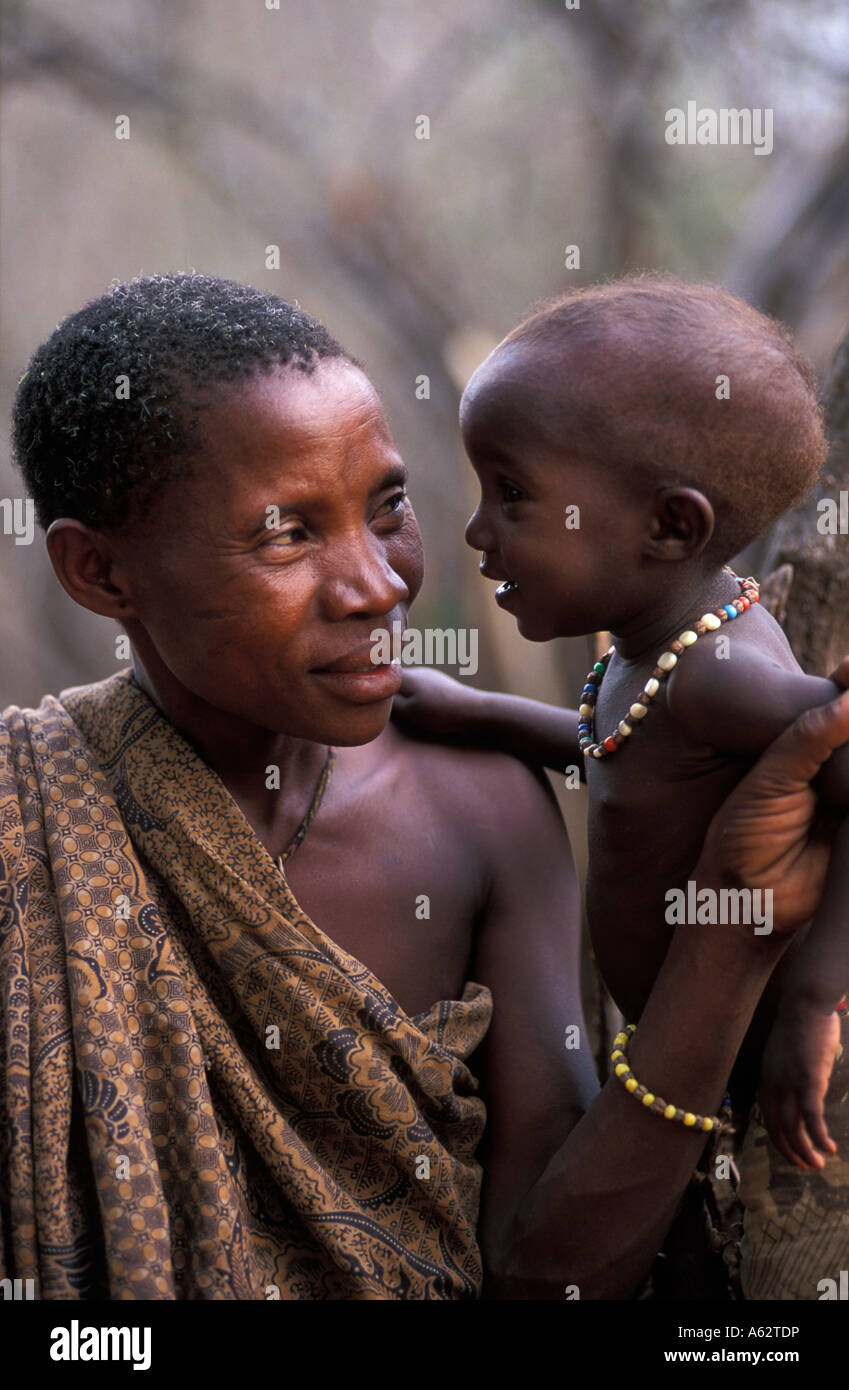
[242, 754]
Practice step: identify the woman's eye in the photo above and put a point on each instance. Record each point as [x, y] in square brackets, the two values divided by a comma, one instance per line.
[288, 536]
[393, 504]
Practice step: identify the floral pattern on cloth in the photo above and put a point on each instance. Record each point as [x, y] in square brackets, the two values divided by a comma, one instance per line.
[155, 1143]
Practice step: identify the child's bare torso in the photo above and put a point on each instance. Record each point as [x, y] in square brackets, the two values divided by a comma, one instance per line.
[650, 804]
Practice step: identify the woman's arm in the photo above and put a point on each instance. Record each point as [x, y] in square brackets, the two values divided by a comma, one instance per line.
[596, 1213]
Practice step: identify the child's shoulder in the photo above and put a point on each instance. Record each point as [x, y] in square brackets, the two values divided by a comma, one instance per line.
[738, 687]
[754, 640]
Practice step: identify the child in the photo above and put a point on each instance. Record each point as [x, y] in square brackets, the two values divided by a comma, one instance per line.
[629, 440]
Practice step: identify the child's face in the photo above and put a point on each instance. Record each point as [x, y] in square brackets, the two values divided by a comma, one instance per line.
[556, 527]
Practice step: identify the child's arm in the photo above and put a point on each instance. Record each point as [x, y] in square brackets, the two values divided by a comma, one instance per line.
[537, 733]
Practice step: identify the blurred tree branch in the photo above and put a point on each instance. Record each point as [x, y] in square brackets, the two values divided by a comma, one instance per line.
[359, 225]
[807, 584]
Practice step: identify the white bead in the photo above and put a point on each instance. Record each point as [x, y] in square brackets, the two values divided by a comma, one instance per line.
[585, 710]
[711, 621]
[638, 711]
[624, 728]
[598, 752]
[688, 638]
[651, 686]
[667, 660]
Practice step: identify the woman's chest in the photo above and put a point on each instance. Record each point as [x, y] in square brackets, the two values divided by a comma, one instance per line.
[400, 898]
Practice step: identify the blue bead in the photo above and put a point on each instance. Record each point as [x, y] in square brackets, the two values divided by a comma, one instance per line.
[731, 610]
[589, 690]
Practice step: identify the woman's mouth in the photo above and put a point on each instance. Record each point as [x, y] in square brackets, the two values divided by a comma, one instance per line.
[505, 588]
[359, 680]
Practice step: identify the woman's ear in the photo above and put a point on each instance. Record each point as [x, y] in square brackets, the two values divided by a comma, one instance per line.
[82, 561]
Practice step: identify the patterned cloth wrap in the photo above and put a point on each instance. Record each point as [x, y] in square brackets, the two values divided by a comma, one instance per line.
[796, 1224]
[159, 1137]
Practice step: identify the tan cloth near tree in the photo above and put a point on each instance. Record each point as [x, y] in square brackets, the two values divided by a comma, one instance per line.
[201, 1095]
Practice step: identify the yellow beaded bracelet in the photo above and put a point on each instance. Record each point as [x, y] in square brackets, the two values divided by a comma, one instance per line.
[710, 1124]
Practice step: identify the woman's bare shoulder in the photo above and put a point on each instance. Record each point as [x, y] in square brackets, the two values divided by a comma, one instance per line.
[490, 783]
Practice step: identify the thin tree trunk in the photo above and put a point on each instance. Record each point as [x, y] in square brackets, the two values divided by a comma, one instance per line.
[807, 583]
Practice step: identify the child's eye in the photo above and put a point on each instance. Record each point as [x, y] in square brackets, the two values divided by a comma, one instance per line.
[509, 493]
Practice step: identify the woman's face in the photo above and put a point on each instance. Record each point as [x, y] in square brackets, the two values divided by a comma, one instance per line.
[253, 609]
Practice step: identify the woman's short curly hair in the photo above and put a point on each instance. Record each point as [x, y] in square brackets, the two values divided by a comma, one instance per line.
[107, 410]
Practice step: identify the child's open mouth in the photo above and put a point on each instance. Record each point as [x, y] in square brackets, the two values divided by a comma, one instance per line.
[506, 593]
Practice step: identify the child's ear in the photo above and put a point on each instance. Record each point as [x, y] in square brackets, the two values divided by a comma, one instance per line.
[681, 523]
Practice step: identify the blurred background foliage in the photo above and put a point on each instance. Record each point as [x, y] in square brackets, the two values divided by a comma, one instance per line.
[297, 127]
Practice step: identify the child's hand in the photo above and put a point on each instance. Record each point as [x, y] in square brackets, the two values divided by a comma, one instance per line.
[796, 1069]
[437, 704]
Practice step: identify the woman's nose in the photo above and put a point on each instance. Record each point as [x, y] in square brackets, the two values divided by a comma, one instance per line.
[363, 581]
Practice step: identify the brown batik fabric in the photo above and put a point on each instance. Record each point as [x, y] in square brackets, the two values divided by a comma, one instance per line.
[796, 1224]
[201, 1095]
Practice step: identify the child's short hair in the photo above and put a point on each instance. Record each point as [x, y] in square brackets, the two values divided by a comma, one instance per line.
[640, 363]
[108, 409]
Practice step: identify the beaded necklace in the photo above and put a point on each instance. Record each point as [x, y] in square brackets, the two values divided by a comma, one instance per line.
[666, 663]
[311, 814]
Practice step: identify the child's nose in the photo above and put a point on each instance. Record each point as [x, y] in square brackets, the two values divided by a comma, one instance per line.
[477, 534]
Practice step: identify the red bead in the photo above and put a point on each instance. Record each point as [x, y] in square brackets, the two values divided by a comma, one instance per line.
[610, 745]
[743, 604]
